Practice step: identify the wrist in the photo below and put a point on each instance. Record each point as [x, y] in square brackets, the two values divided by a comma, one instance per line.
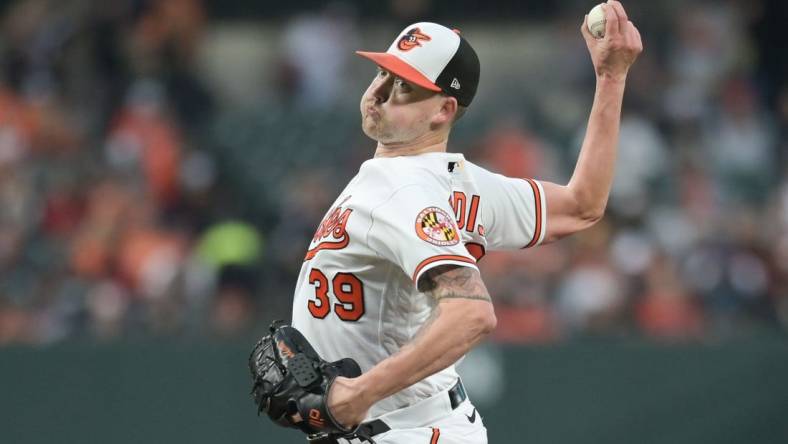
[365, 389]
[605, 78]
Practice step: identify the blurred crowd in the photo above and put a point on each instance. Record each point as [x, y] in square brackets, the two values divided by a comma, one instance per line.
[136, 200]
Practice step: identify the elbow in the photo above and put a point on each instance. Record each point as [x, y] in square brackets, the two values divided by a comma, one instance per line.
[490, 323]
[592, 215]
[587, 208]
[485, 320]
[590, 212]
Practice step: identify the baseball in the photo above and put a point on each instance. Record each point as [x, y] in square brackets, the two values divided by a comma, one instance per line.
[596, 21]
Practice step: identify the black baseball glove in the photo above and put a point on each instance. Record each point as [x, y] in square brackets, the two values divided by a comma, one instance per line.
[291, 383]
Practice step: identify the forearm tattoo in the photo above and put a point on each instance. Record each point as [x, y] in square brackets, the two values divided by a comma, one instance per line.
[454, 282]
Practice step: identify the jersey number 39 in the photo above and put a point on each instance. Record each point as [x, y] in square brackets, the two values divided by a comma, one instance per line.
[348, 291]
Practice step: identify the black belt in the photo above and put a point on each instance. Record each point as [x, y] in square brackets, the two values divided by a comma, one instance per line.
[457, 395]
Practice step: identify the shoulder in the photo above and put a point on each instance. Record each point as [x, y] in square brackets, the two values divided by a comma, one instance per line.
[492, 182]
[480, 173]
[403, 177]
[416, 169]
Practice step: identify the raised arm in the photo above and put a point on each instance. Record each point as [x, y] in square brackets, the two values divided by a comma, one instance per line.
[463, 315]
[581, 203]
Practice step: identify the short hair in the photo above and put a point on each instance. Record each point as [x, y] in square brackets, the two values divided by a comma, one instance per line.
[460, 109]
[460, 112]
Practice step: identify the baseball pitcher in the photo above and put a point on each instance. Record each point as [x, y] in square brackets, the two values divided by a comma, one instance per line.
[389, 296]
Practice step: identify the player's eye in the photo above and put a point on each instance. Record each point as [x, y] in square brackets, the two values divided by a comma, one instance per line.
[403, 85]
[382, 73]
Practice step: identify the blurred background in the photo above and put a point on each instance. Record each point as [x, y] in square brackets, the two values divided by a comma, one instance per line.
[163, 164]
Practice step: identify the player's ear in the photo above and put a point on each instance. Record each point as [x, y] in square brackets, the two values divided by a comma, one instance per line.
[447, 111]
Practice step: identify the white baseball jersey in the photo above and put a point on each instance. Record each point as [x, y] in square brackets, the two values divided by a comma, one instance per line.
[356, 294]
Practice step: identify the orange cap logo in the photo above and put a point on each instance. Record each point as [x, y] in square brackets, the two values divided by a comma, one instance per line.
[412, 39]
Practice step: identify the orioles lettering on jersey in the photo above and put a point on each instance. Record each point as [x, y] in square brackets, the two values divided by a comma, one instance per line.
[458, 203]
[333, 226]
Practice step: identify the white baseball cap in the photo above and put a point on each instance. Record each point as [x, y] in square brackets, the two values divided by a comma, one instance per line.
[434, 57]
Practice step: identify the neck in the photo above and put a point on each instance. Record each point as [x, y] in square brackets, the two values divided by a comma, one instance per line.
[433, 143]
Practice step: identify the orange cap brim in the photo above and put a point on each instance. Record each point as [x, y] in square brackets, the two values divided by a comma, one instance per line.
[395, 65]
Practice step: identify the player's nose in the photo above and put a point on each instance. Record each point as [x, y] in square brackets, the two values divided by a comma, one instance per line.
[381, 89]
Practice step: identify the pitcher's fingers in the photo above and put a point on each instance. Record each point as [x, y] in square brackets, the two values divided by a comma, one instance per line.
[629, 34]
[637, 34]
[612, 28]
[633, 37]
[586, 33]
[621, 14]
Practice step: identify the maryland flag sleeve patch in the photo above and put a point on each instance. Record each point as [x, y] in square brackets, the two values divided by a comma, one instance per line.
[437, 227]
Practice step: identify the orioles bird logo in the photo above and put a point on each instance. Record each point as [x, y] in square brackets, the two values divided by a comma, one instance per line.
[412, 39]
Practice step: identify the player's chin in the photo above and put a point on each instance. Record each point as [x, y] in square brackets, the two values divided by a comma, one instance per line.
[371, 127]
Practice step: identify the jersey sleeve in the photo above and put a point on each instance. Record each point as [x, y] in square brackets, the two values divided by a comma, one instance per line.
[416, 230]
[514, 210]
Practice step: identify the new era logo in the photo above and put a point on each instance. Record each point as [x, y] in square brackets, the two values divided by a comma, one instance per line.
[455, 83]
